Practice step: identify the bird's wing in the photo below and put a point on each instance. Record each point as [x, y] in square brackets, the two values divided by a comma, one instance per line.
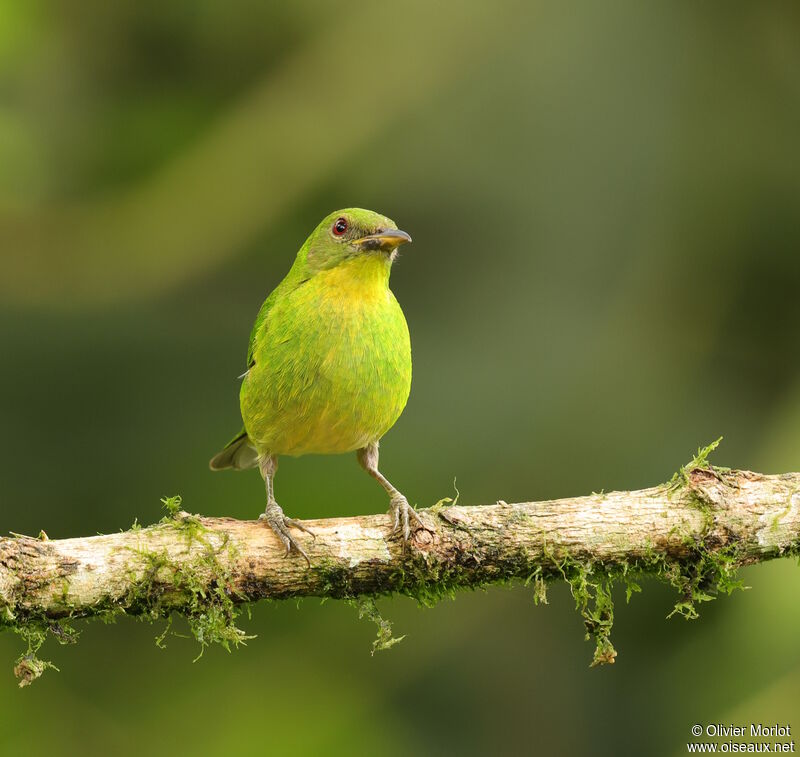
[287, 285]
[262, 316]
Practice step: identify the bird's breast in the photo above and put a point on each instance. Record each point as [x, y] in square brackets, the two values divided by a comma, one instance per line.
[332, 370]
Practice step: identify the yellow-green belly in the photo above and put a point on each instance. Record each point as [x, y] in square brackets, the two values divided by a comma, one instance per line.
[332, 368]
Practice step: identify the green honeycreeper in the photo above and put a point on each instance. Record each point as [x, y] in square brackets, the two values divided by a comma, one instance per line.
[329, 362]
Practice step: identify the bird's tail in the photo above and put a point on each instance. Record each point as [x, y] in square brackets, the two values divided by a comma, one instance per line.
[237, 454]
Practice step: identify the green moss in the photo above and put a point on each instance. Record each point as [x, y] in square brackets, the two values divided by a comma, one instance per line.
[680, 478]
[334, 580]
[703, 576]
[591, 586]
[172, 505]
[203, 588]
[28, 666]
[537, 578]
[211, 610]
[428, 579]
[368, 609]
[703, 573]
[707, 570]
[631, 587]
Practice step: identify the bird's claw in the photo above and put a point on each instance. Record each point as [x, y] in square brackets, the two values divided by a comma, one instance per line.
[402, 512]
[298, 524]
[280, 524]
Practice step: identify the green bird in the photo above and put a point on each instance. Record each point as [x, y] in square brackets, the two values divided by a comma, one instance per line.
[329, 362]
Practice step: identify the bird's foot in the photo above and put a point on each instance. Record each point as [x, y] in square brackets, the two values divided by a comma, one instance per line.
[280, 524]
[402, 513]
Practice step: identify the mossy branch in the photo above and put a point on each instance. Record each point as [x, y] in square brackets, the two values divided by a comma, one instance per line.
[693, 533]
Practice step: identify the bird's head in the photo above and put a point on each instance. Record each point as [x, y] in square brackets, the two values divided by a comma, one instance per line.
[353, 233]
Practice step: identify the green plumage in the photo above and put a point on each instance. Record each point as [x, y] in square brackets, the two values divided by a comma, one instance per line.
[329, 361]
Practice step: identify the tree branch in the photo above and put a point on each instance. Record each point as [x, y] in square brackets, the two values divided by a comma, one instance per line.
[692, 533]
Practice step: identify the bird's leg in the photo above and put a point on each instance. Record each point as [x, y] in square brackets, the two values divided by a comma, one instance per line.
[278, 522]
[368, 459]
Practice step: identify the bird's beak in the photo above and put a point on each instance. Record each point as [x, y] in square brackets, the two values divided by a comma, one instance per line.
[383, 240]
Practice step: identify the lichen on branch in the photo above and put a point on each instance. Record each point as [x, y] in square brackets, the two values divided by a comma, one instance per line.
[693, 533]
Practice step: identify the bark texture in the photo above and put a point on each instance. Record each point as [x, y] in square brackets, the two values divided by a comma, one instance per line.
[693, 533]
[758, 515]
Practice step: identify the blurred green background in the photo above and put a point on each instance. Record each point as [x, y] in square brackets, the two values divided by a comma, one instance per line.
[605, 205]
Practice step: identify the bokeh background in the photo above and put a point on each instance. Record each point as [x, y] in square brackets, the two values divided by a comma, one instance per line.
[605, 205]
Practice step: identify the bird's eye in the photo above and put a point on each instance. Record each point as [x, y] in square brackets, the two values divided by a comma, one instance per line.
[340, 227]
